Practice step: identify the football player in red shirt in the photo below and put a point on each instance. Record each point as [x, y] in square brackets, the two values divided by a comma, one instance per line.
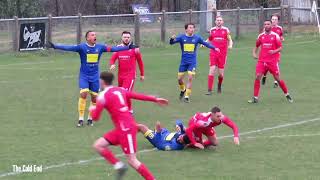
[219, 37]
[270, 45]
[115, 101]
[204, 123]
[277, 29]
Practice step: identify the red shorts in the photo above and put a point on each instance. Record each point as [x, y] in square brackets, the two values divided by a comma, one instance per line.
[218, 59]
[204, 131]
[126, 82]
[263, 67]
[126, 139]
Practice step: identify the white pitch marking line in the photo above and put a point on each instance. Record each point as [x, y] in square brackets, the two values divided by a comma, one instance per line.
[150, 150]
[26, 63]
[282, 136]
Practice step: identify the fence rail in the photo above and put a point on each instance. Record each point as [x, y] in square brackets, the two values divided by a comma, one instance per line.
[65, 27]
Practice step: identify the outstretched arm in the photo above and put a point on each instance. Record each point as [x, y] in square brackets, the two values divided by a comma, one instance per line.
[174, 39]
[227, 121]
[115, 48]
[208, 45]
[142, 97]
[96, 110]
[73, 48]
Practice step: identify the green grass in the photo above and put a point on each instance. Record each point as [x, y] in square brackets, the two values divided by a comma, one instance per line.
[38, 111]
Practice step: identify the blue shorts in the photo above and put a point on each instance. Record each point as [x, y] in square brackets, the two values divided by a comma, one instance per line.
[86, 85]
[189, 67]
[153, 137]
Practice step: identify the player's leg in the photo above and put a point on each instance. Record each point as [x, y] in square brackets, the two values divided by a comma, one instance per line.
[94, 89]
[221, 64]
[84, 90]
[148, 134]
[129, 147]
[212, 139]
[260, 70]
[101, 146]
[182, 87]
[274, 69]
[212, 70]
[191, 74]
[264, 78]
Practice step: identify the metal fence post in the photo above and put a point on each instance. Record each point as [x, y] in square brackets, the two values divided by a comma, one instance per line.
[214, 16]
[137, 28]
[282, 15]
[49, 32]
[238, 24]
[163, 26]
[79, 29]
[289, 19]
[15, 34]
[190, 15]
[261, 19]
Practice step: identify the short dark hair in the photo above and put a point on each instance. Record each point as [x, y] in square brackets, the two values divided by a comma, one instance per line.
[268, 20]
[107, 77]
[276, 15]
[126, 32]
[186, 139]
[87, 33]
[215, 109]
[188, 24]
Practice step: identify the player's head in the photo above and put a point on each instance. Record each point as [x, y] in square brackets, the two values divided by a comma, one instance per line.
[219, 21]
[106, 79]
[275, 19]
[190, 28]
[183, 139]
[91, 37]
[267, 25]
[126, 37]
[216, 113]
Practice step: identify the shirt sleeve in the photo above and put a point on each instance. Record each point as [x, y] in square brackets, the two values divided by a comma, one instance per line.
[258, 42]
[73, 48]
[189, 132]
[227, 121]
[115, 48]
[140, 62]
[177, 39]
[141, 97]
[114, 58]
[278, 42]
[208, 45]
[96, 110]
[210, 38]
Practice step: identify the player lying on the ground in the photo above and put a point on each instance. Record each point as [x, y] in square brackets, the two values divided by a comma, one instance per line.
[219, 37]
[163, 139]
[277, 29]
[189, 45]
[127, 61]
[270, 45]
[115, 101]
[90, 53]
[204, 123]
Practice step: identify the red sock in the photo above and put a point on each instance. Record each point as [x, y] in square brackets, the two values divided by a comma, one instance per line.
[144, 172]
[220, 78]
[108, 155]
[265, 74]
[283, 86]
[207, 143]
[210, 82]
[256, 88]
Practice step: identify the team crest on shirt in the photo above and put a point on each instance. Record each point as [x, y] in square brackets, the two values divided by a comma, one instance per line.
[97, 50]
[223, 32]
[193, 40]
[184, 40]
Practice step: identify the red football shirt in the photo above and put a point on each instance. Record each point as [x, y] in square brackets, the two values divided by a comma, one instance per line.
[268, 41]
[219, 38]
[115, 100]
[127, 62]
[278, 30]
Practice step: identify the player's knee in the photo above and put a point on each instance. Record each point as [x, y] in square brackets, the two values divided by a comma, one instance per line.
[133, 161]
[84, 95]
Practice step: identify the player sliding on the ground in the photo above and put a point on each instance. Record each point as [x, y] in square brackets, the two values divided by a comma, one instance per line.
[277, 29]
[219, 37]
[204, 123]
[270, 45]
[189, 46]
[127, 64]
[165, 140]
[90, 53]
[115, 101]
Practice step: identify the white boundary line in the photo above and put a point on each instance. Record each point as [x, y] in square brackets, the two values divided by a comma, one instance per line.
[282, 136]
[150, 150]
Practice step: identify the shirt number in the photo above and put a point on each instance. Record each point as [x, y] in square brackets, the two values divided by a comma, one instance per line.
[121, 99]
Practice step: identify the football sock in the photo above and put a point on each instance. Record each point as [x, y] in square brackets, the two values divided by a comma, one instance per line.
[283, 86]
[188, 93]
[81, 107]
[256, 88]
[109, 156]
[210, 82]
[144, 172]
[182, 87]
[220, 78]
[89, 114]
[207, 143]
